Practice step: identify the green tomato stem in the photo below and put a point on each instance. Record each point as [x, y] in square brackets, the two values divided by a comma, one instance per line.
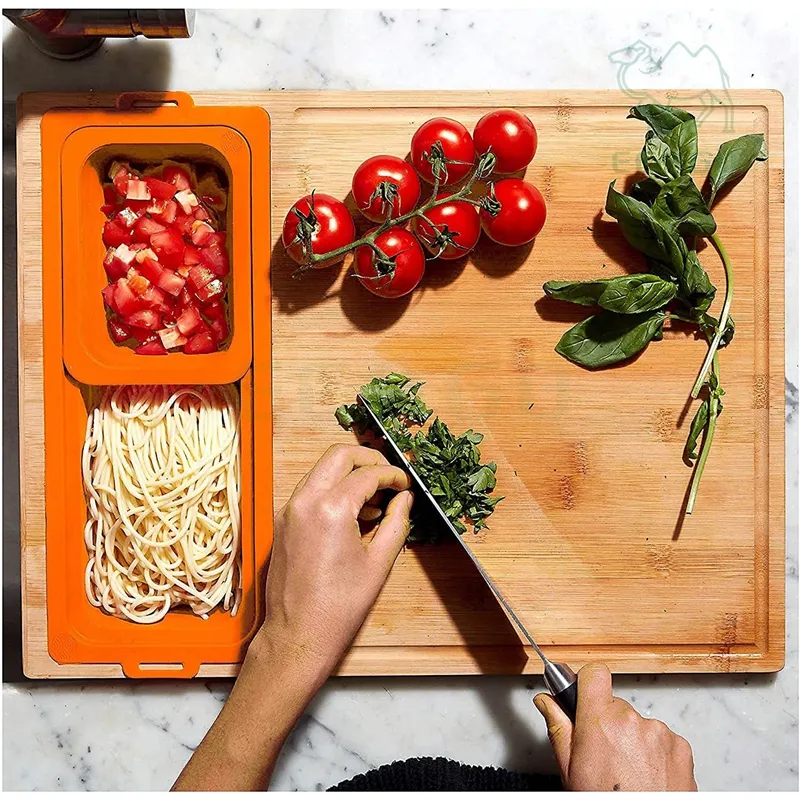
[713, 413]
[369, 239]
[723, 319]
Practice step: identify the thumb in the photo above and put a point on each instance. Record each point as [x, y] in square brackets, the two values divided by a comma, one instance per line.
[559, 730]
[393, 530]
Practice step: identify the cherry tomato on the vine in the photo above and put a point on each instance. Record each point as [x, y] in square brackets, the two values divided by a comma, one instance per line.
[456, 228]
[521, 213]
[511, 137]
[442, 148]
[385, 186]
[402, 271]
[320, 222]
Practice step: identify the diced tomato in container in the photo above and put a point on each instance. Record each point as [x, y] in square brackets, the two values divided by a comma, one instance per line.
[110, 199]
[115, 267]
[115, 234]
[164, 261]
[183, 223]
[150, 269]
[189, 321]
[200, 343]
[178, 177]
[147, 318]
[137, 189]
[125, 301]
[161, 190]
[120, 174]
[108, 292]
[145, 228]
[187, 201]
[200, 232]
[155, 299]
[216, 239]
[191, 255]
[151, 347]
[211, 290]
[215, 309]
[164, 211]
[118, 332]
[138, 283]
[216, 259]
[199, 276]
[172, 337]
[219, 327]
[170, 282]
[169, 246]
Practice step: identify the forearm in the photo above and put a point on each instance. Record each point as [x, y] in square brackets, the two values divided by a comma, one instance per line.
[240, 750]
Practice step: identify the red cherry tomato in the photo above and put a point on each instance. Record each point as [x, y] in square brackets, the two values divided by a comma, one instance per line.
[406, 259]
[442, 148]
[324, 220]
[511, 137]
[385, 186]
[521, 215]
[457, 228]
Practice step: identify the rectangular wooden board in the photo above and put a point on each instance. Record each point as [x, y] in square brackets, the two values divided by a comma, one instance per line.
[588, 545]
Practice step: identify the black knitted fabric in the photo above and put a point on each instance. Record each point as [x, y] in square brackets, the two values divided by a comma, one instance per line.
[443, 775]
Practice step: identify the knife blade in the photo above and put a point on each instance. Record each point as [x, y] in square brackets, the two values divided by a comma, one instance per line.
[560, 679]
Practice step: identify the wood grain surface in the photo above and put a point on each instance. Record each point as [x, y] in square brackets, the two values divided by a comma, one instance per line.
[590, 545]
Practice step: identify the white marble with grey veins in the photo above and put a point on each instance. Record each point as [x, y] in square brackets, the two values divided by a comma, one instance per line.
[129, 735]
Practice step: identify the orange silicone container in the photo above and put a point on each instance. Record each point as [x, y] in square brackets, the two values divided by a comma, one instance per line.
[86, 142]
[77, 632]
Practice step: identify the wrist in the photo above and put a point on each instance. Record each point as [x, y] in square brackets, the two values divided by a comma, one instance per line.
[277, 655]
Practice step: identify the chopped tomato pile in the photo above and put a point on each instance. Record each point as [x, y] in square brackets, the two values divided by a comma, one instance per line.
[166, 262]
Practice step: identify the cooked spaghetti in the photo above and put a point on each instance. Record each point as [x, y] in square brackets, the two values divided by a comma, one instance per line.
[161, 477]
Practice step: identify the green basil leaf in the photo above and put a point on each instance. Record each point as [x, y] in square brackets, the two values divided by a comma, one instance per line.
[608, 338]
[697, 427]
[682, 143]
[645, 190]
[695, 285]
[734, 159]
[644, 232]
[482, 480]
[633, 294]
[708, 325]
[657, 159]
[584, 293]
[680, 203]
[662, 119]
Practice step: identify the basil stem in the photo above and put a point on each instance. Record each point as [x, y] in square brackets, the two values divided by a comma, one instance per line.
[723, 319]
[713, 413]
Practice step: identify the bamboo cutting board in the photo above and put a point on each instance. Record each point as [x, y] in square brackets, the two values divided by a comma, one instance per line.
[589, 545]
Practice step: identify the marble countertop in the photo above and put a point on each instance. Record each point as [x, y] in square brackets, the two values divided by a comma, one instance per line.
[129, 735]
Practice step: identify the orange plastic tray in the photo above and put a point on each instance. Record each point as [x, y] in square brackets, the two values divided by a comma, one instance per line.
[77, 632]
[86, 142]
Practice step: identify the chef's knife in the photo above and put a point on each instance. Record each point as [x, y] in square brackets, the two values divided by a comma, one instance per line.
[560, 679]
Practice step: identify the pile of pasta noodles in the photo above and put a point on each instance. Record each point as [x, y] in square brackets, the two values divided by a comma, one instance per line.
[161, 474]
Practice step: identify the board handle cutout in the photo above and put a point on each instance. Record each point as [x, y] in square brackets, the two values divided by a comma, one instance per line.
[143, 101]
[146, 669]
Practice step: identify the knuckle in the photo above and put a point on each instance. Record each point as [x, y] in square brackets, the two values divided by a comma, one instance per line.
[329, 510]
[337, 449]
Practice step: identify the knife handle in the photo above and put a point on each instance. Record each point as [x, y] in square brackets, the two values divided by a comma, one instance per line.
[562, 682]
[568, 700]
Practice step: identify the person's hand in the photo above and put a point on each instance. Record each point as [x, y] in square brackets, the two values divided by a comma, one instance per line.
[611, 747]
[323, 576]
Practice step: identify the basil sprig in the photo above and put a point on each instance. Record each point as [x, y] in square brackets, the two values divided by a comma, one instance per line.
[662, 217]
[449, 465]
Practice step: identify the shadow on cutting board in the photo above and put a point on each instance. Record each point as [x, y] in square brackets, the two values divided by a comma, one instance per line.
[524, 750]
